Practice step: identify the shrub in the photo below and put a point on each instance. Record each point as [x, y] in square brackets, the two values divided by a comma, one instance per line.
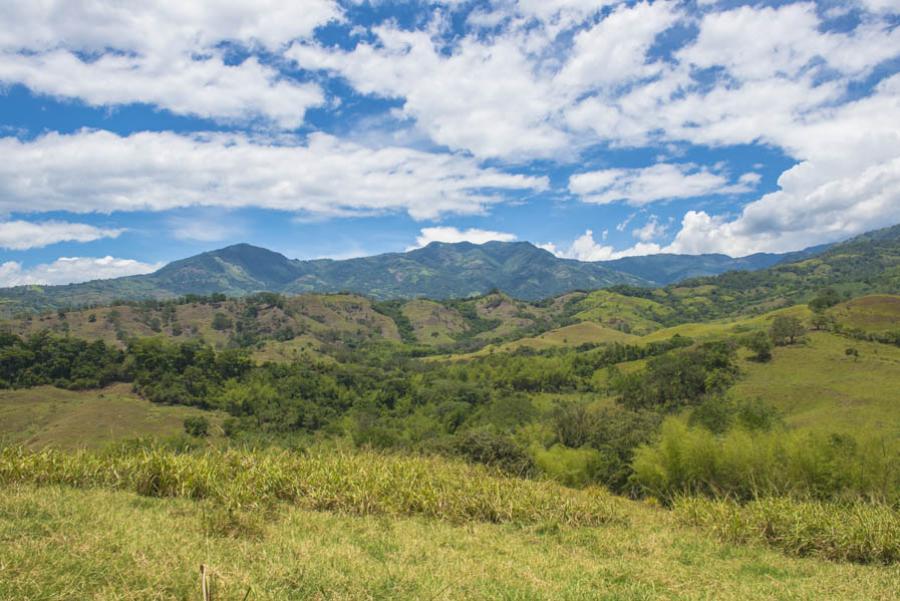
[196, 426]
[497, 450]
[221, 322]
[359, 483]
[761, 346]
[857, 532]
[572, 467]
[745, 465]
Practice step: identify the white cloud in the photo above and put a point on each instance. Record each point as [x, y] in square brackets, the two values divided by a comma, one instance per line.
[165, 53]
[22, 235]
[662, 181]
[585, 248]
[451, 234]
[69, 270]
[651, 230]
[97, 171]
[760, 43]
[203, 87]
[205, 226]
[614, 51]
[484, 97]
[848, 183]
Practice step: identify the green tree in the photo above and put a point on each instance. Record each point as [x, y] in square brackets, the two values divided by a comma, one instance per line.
[761, 345]
[197, 426]
[786, 330]
[825, 299]
[221, 322]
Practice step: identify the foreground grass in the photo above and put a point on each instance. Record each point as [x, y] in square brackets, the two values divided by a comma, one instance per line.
[860, 532]
[65, 543]
[246, 484]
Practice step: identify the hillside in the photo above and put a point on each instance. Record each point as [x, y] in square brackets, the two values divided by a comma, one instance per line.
[63, 419]
[664, 269]
[867, 264]
[437, 271]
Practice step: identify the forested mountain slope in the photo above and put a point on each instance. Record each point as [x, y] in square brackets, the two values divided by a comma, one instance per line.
[437, 271]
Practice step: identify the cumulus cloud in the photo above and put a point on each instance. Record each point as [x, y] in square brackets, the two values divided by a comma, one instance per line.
[652, 230]
[751, 75]
[528, 79]
[451, 234]
[662, 181]
[203, 87]
[98, 171]
[70, 270]
[166, 53]
[586, 248]
[22, 235]
[484, 97]
[849, 183]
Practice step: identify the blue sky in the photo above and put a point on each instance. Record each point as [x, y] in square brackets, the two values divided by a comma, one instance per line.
[130, 137]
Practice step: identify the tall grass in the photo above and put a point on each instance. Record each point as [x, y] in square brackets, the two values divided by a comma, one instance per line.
[358, 483]
[746, 465]
[857, 532]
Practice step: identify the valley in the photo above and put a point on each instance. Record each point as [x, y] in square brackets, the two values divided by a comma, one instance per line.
[736, 433]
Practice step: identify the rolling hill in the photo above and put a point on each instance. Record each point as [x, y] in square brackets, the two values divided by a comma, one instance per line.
[864, 265]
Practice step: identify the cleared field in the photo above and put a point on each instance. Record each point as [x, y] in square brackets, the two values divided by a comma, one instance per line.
[876, 313]
[640, 315]
[729, 327]
[47, 416]
[573, 335]
[817, 386]
[433, 323]
[131, 547]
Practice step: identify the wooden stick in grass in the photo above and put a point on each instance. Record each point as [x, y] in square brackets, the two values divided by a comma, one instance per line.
[203, 588]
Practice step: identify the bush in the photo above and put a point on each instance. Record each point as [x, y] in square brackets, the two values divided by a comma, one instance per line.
[761, 345]
[681, 378]
[359, 483]
[745, 465]
[718, 414]
[572, 467]
[497, 450]
[858, 532]
[196, 426]
[221, 322]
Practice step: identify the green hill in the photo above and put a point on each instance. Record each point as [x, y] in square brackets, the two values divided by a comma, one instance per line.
[867, 264]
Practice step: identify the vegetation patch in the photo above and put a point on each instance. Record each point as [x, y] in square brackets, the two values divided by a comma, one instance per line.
[857, 532]
[359, 484]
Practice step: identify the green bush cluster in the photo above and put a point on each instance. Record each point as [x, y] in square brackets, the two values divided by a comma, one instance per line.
[744, 465]
[857, 532]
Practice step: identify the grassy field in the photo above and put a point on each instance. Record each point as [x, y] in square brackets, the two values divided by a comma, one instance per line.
[818, 387]
[640, 315]
[433, 323]
[47, 416]
[62, 543]
[876, 313]
[728, 327]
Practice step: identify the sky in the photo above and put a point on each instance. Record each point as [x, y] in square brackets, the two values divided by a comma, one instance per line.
[133, 134]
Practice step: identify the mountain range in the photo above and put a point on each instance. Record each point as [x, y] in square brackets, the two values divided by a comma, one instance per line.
[438, 271]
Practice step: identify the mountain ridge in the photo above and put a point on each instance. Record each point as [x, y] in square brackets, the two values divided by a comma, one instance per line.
[439, 270]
